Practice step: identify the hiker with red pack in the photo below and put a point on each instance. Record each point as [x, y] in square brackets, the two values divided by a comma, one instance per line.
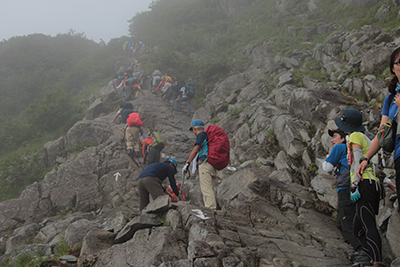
[210, 153]
[132, 132]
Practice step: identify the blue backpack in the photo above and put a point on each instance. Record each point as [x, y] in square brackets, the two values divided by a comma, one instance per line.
[190, 89]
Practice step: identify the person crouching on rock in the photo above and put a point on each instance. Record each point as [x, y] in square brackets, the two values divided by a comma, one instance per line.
[150, 180]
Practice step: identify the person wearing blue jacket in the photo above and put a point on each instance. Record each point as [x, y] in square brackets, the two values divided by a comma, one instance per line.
[336, 162]
[150, 180]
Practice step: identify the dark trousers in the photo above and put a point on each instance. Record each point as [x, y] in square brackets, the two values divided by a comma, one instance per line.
[364, 225]
[344, 222]
[149, 186]
[153, 154]
[397, 167]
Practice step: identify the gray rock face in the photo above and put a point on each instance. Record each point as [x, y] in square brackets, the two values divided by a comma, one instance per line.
[76, 231]
[94, 242]
[160, 204]
[136, 224]
[380, 60]
[146, 248]
[15, 212]
[21, 236]
[88, 132]
[95, 109]
[53, 149]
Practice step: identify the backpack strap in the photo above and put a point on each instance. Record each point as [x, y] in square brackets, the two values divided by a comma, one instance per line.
[391, 97]
[341, 165]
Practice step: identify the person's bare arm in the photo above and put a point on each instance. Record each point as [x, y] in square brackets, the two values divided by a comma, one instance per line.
[115, 117]
[374, 148]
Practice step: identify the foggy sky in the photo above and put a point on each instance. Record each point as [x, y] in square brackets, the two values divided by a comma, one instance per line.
[104, 19]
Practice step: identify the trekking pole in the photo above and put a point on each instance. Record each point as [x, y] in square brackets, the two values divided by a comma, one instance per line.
[182, 194]
[183, 182]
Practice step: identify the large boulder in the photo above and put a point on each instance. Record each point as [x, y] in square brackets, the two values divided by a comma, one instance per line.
[53, 149]
[140, 222]
[96, 109]
[374, 61]
[76, 231]
[291, 134]
[147, 247]
[53, 228]
[88, 133]
[236, 189]
[96, 241]
[21, 236]
[16, 212]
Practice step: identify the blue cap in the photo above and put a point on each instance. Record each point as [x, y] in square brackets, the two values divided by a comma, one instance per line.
[196, 123]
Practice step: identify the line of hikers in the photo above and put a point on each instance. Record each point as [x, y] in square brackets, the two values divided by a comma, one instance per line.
[178, 91]
[133, 50]
[359, 170]
[129, 82]
[359, 180]
[210, 153]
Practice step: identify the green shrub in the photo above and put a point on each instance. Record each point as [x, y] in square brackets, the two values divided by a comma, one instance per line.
[312, 168]
[237, 110]
[215, 120]
[18, 170]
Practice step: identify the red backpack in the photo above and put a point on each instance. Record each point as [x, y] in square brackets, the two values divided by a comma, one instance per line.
[218, 147]
[134, 120]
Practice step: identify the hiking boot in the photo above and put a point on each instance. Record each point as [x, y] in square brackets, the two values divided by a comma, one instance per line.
[361, 259]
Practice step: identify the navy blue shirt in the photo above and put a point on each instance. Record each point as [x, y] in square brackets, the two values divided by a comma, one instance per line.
[125, 114]
[161, 170]
[202, 140]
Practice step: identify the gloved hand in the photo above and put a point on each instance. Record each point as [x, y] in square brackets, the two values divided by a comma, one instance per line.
[185, 168]
[354, 193]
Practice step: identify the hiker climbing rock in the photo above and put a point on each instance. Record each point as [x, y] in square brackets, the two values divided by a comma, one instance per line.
[132, 89]
[152, 145]
[185, 95]
[125, 109]
[210, 153]
[173, 92]
[132, 133]
[156, 79]
[150, 180]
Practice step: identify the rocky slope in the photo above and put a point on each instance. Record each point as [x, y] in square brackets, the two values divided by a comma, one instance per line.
[277, 208]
